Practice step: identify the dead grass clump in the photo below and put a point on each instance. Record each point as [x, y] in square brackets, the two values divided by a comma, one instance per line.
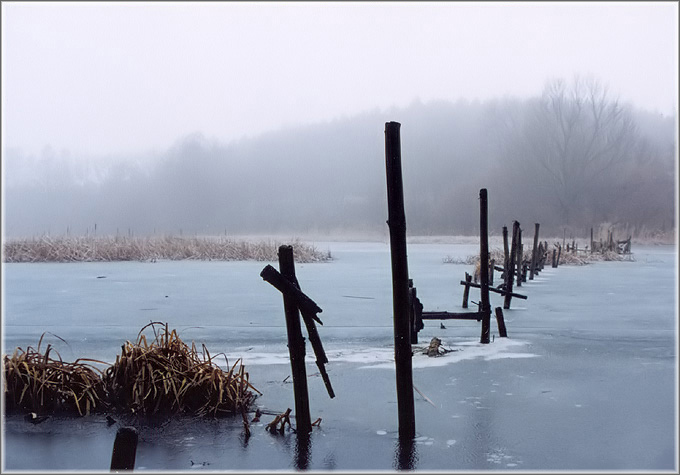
[36, 382]
[167, 376]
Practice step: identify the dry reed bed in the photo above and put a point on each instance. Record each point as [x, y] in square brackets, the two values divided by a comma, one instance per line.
[117, 248]
[165, 376]
[566, 258]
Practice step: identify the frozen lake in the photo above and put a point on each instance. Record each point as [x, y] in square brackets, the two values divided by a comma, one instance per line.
[587, 379]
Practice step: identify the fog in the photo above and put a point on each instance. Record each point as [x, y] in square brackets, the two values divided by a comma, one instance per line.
[268, 117]
[614, 163]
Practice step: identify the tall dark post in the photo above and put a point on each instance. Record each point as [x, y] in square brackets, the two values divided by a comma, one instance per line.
[519, 257]
[124, 449]
[296, 344]
[510, 273]
[506, 252]
[484, 265]
[402, 333]
[534, 253]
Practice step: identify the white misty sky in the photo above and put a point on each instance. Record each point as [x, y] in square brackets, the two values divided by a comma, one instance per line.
[114, 78]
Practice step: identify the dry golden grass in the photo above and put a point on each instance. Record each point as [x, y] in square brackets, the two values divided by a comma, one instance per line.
[36, 382]
[167, 376]
[118, 248]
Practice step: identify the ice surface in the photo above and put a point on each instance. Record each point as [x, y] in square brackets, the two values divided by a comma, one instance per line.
[585, 381]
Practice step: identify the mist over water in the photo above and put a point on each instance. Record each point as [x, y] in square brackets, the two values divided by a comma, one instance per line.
[329, 178]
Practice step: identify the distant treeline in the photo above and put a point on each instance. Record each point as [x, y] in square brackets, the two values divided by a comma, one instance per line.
[569, 159]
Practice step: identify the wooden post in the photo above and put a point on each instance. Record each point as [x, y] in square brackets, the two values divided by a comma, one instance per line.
[554, 260]
[534, 253]
[519, 258]
[559, 253]
[466, 291]
[402, 333]
[124, 449]
[506, 252]
[484, 265]
[492, 264]
[415, 312]
[592, 242]
[510, 274]
[502, 331]
[296, 344]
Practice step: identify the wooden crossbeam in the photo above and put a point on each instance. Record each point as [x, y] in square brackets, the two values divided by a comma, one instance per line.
[492, 289]
[453, 316]
[305, 304]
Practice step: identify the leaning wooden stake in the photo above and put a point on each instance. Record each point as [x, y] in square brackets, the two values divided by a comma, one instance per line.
[510, 274]
[534, 253]
[296, 344]
[124, 449]
[402, 332]
[308, 308]
[501, 323]
[484, 265]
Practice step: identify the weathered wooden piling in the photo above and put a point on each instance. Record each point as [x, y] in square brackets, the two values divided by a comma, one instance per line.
[534, 253]
[296, 343]
[510, 275]
[402, 333]
[484, 265]
[554, 258]
[519, 257]
[124, 449]
[466, 291]
[506, 252]
[502, 331]
[415, 312]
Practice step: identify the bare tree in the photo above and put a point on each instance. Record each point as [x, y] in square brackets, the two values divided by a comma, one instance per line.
[570, 138]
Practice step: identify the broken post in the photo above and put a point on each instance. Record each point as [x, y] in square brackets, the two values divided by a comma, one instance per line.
[510, 274]
[534, 253]
[296, 344]
[402, 333]
[484, 265]
[466, 291]
[502, 331]
[124, 449]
